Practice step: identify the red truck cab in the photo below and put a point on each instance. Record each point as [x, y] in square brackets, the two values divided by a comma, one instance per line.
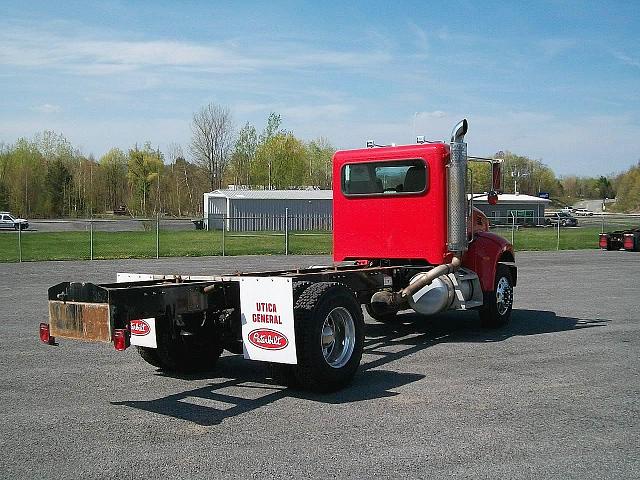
[390, 202]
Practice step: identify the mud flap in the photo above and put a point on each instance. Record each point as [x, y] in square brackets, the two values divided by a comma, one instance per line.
[266, 306]
[143, 332]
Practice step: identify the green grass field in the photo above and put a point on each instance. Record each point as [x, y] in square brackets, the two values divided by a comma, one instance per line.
[547, 238]
[76, 245]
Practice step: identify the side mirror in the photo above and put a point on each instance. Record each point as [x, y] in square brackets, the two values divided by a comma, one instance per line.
[492, 197]
[496, 176]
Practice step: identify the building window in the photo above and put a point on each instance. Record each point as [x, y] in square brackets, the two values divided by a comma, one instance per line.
[521, 216]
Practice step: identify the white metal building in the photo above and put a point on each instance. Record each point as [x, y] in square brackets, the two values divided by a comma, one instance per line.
[527, 209]
[244, 210]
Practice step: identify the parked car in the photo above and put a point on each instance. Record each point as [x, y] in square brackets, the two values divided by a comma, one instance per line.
[583, 212]
[9, 221]
[563, 218]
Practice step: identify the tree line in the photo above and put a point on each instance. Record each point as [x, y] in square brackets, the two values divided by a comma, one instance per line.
[47, 177]
[532, 177]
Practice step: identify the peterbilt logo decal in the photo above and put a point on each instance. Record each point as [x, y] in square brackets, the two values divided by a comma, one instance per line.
[268, 339]
[139, 327]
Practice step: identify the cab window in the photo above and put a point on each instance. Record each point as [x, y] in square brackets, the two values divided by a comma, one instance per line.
[395, 177]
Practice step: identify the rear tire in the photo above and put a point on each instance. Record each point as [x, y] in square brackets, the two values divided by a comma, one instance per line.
[150, 355]
[496, 311]
[329, 337]
[182, 353]
[282, 373]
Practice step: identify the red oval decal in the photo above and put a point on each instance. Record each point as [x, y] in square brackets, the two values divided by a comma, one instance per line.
[139, 328]
[268, 339]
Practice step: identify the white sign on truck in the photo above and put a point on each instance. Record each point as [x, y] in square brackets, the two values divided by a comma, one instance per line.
[266, 306]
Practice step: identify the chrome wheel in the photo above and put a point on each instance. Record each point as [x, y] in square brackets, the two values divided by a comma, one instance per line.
[338, 337]
[504, 295]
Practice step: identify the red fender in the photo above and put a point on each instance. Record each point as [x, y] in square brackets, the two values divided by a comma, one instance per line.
[483, 255]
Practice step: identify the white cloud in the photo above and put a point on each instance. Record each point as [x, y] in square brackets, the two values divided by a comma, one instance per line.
[552, 47]
[91, 56]
[47, 108]
[306, 112]
[421, 38]
[626, 59]
[434, 114]
[555, 140]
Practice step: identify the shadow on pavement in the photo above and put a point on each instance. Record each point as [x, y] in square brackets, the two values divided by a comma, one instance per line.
[239, 386]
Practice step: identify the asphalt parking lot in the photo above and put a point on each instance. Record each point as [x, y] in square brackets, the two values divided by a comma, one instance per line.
[102, 225]
[553, 395]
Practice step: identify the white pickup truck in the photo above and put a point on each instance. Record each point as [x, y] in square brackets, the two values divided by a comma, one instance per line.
[582, 212]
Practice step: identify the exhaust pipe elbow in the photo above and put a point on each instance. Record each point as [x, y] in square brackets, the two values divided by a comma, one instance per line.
[459, 131]
[431, 275]
[400, 299]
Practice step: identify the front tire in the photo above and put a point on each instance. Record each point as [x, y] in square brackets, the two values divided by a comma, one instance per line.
[329, 337]
[498, 304]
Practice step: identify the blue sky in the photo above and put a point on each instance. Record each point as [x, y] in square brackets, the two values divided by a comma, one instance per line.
[555, 80]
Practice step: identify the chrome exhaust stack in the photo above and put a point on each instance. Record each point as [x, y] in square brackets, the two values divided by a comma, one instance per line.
[457, 240]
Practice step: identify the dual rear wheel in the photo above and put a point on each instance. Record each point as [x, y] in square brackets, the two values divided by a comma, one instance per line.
[329, 327]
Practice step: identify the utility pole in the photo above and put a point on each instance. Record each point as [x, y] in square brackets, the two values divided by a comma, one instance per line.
[516, 175]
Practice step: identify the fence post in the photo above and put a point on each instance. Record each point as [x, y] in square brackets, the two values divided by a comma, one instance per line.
[90, 239]
[157, 235]
[224, 227]
[513, 227]
[20, 243]
[286, 231]
[558, 241]
[602, 217]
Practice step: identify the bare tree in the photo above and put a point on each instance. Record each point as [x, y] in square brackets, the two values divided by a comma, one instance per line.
[212, 140]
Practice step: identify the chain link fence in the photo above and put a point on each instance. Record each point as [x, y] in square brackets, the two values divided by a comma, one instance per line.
[96, 239]
[559, 231]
